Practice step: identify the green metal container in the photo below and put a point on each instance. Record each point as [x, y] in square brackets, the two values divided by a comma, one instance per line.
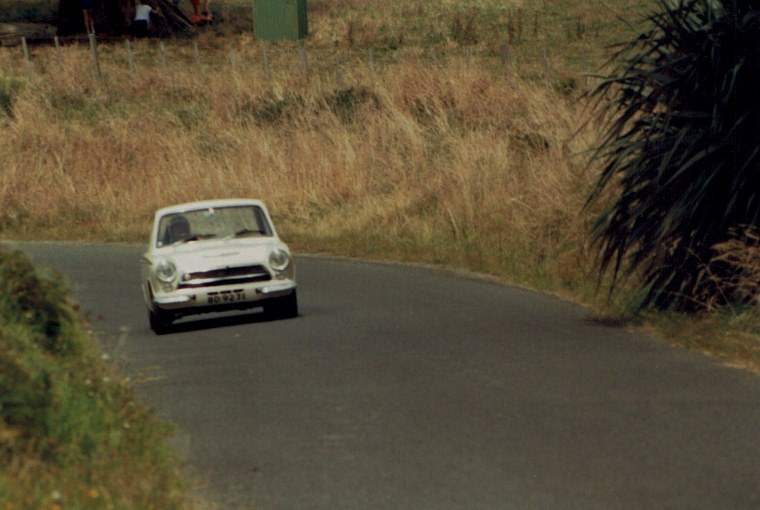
[274, 20]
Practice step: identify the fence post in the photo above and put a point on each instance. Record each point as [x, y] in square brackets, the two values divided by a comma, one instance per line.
[94, 50]
[265, 60]
[372, 61]
[58, 57]
[504, 53]
[233, 58]
[130, 59]
[163, 56]
[27, 60]
[304, 63]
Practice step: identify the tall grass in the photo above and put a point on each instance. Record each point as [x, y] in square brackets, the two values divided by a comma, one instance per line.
[443, 161]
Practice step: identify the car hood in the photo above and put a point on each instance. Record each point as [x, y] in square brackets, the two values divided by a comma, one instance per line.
[205, 255]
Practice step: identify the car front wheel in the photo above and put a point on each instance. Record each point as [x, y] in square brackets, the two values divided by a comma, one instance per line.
[285, 307]
[160, 320]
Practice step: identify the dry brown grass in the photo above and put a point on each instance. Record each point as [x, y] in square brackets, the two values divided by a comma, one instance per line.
[410, 158]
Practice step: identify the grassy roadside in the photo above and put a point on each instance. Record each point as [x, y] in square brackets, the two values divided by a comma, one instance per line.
[72, 434]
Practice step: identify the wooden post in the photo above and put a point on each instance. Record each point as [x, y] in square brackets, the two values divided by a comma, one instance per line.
[233, 58]
[25, 48]
[304, 63]
[163, 56]
[265, 60]
[520, 15]
[130, 59]
[58, 57]
[504, 53]
[372, 61]
[94, 51]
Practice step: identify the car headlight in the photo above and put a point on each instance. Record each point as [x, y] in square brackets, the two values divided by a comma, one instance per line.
[166, 271]
[279, 259]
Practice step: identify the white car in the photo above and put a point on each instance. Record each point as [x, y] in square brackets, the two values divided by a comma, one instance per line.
[216, 255]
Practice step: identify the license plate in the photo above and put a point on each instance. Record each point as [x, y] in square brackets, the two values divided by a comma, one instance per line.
[226, 296]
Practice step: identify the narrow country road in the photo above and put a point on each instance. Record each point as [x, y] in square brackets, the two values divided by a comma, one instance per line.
[408, 389]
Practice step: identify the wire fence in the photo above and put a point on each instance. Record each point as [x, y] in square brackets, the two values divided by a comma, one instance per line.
[123, 54]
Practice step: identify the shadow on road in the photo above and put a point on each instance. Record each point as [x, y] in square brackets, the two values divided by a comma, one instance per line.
[205, 322]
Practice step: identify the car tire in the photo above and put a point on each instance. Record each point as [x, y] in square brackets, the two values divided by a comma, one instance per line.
[285, 307]
[160, 320]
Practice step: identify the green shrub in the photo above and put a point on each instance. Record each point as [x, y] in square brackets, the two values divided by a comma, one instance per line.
[69, 424]
[9, 89]
[39, 11]
[38, 301]
[346, 102]
[680, 152]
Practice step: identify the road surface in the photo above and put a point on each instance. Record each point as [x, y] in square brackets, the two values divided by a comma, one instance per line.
[409, 388]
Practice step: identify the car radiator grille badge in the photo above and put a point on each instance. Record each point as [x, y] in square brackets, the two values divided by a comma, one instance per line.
[225, 276]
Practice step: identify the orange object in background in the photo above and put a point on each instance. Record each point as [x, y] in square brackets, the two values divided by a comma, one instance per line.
[200, 20]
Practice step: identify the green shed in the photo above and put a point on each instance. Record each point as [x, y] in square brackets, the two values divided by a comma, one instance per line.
[274, 20]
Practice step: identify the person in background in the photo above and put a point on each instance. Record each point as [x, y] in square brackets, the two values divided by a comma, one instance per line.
[141, 22]
[87, 6]
[201, 15]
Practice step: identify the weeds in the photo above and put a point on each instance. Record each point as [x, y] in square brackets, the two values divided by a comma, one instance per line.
[70, 428]
[9, 89]
[739, 285]
[464, 29]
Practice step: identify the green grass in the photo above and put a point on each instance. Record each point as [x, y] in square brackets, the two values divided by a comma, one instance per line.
[72, 434]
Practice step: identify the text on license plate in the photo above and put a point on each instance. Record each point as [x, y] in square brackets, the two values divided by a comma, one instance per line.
[226, 296]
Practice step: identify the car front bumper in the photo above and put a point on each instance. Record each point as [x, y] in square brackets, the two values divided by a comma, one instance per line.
[225, 297]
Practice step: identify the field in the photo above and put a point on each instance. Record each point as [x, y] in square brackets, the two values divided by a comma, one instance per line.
[365, 141]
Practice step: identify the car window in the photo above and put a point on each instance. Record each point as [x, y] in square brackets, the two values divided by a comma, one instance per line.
[212, 223]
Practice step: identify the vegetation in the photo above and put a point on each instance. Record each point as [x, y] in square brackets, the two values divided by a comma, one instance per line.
[446, 132]
[43, 11]
[681, 154]
[72, 435]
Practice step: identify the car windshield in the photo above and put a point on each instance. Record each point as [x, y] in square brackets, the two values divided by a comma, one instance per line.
[212, 223]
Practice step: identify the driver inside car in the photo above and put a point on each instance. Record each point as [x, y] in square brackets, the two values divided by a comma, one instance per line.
[178, 229]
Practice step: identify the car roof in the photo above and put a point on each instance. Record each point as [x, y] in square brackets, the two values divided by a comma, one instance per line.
[206, 204]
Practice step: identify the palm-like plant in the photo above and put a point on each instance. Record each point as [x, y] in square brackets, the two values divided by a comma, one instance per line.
[681, 148]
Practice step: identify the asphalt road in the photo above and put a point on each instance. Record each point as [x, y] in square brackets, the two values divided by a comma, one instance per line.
[408, 388]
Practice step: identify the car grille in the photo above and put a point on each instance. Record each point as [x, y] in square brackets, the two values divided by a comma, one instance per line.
[225, 276]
